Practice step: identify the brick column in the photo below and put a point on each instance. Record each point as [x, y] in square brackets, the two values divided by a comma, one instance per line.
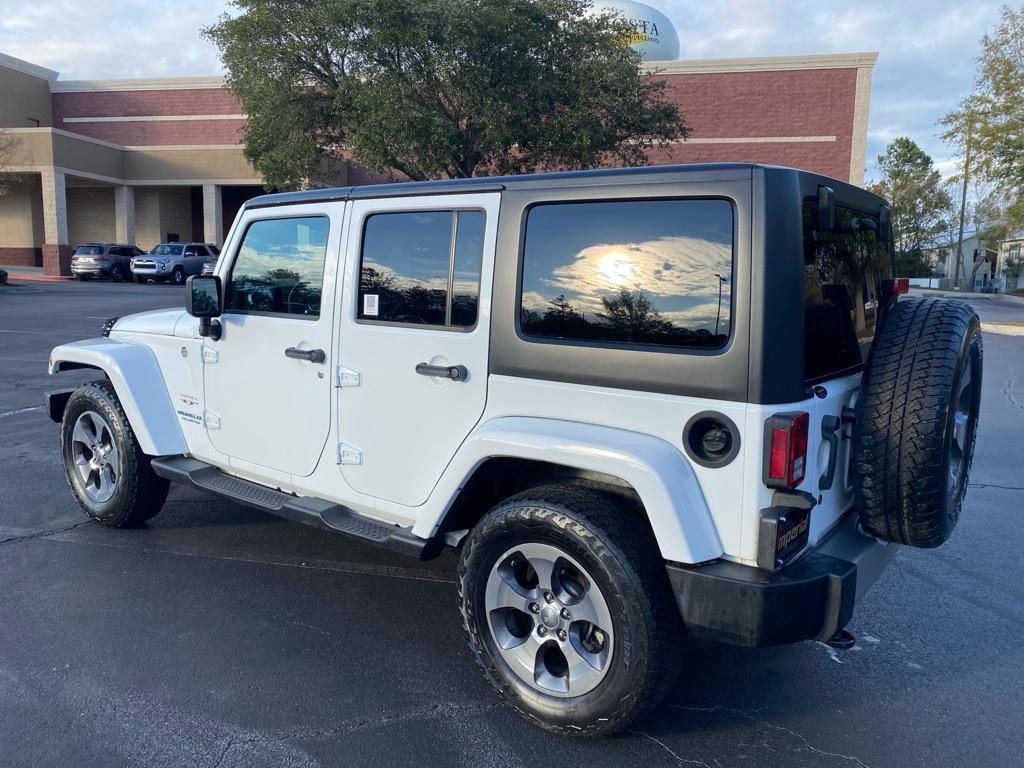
[56, 250]
[124, 214]
[213, 215]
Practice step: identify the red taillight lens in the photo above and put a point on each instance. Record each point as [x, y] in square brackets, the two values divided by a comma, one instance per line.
[900, 285]
[786, 448]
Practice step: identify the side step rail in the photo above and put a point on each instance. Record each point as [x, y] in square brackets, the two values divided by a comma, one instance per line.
[303, 509]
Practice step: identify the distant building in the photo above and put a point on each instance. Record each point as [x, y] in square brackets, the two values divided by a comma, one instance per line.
[144, 160]
[1011, 252]
[974, 250]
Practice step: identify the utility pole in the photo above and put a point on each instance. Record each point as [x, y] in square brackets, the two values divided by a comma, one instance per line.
[963, 204]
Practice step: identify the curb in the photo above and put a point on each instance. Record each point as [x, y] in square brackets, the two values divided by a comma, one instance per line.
[37, 278]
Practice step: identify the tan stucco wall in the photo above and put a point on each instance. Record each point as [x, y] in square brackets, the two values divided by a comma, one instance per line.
[24, 96]
[159, 211]
[90, 215]
[21, 214]
[222, 163]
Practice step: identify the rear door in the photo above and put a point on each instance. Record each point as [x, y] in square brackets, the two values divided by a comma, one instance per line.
[413, 339]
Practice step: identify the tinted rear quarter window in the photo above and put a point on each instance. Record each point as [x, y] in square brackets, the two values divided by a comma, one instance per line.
[633, 272]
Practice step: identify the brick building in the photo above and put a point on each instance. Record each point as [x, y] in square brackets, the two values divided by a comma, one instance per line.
[141, 161]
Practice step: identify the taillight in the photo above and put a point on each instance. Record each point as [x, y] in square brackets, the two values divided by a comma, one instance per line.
[786, 449]
[900, 285]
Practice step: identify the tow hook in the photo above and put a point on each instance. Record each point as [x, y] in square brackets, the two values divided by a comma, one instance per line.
[842, 640]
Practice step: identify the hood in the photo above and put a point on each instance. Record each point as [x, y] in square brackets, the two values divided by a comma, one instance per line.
[160, 322]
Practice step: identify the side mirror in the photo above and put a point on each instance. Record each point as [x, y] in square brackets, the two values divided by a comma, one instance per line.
[826, 210]
[203, 300]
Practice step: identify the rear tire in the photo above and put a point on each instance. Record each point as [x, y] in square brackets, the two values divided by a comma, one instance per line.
[109, 474]
[917, 422]
[117, 274]
[583, 539]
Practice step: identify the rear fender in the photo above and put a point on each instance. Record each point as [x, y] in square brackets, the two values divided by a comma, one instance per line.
[659, 473]
[135, 375]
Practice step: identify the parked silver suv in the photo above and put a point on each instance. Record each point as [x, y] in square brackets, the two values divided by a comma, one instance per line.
[173, 262]
[111, 260]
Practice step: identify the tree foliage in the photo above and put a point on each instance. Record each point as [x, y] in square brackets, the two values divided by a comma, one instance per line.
[987, 127]
[439, 88]
[919, 203]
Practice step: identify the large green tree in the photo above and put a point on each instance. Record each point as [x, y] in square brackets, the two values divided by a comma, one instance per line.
[918, 201]
[439, 88]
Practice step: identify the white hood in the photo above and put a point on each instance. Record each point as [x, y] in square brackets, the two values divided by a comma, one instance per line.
[160, 322]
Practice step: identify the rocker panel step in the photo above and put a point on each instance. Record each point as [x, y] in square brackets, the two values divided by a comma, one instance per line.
[302, 509]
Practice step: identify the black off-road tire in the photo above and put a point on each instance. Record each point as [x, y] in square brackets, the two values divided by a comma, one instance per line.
[177, 276]
[117, 274]
[615, 544]
[139, 493]
[903, 435]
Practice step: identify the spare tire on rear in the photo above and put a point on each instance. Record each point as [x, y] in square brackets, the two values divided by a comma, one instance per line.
[917, 419]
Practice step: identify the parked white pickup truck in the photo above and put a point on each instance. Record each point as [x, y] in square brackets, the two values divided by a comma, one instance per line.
[643, 404]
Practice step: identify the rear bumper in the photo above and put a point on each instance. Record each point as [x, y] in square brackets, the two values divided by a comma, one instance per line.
[92, 271]
[811, 599]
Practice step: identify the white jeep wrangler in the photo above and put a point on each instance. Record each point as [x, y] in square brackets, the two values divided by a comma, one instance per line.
[643, 404]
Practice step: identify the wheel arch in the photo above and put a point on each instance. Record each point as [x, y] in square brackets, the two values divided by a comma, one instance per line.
[134, 373]
[511, 454]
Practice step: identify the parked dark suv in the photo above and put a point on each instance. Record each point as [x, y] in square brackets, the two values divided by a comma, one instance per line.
[111, 260]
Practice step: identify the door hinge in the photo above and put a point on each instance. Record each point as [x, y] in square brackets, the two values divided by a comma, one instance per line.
[346, 377]
[349, 454]
[210, 355]
[212, 420]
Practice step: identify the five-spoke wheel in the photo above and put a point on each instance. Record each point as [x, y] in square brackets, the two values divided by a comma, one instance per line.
[549, 619]
[96, 460]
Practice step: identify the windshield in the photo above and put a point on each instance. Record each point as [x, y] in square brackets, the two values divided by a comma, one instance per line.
[167, 249]
[843, 274]
[88, 250]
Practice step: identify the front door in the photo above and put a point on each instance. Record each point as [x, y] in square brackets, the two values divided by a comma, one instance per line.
[412, 350]
[268, 391]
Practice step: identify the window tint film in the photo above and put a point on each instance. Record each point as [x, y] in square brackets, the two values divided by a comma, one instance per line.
[413, 272]
[843, 274]
[631, 272]
[280, 267]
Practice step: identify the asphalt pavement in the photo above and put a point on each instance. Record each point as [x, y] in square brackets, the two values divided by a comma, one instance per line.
[219, 636]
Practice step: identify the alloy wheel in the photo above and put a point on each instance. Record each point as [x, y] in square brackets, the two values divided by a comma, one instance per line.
[96, 458]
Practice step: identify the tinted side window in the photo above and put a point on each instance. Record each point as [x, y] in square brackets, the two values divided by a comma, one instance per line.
[280, 267]
[653, 272]
[421, 267]
[843, 273]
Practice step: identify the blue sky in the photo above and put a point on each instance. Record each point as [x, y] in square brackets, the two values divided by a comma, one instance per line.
[926, 48]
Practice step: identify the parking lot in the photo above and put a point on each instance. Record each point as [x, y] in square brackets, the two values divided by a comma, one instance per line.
[219, 636]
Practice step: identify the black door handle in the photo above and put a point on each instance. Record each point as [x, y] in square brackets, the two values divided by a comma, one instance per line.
[453, 372]
[312, 355]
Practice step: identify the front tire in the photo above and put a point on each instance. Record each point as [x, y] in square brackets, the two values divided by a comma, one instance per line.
[109, 474]
[178, 276]
[568, 610]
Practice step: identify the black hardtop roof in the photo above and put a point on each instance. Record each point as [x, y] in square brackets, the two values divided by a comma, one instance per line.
[596, 177]
[497, 183]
